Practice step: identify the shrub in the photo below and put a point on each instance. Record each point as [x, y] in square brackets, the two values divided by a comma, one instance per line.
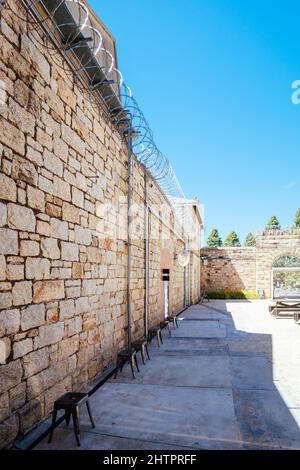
[233, 294]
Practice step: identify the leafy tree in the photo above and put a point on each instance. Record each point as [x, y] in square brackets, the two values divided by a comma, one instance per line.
[297, 219]
[250, 240]
[214, 240]
[232, 240]
[273, 223]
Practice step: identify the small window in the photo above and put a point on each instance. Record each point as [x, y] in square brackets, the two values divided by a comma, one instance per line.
[165, 274]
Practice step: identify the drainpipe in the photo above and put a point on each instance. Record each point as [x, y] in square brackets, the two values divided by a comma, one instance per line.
[184, 284]
[147, 257]
[129, 220]
[199, 276]
[189, 275]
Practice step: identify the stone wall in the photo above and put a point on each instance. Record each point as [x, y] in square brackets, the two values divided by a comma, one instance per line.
[229, 269]
[63, 259]
[248, 268]
[271, 245]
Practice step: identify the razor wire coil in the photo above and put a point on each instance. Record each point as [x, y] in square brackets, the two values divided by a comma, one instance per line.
[68, 27]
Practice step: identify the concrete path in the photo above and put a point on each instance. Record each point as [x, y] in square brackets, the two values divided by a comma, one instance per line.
[228, 378]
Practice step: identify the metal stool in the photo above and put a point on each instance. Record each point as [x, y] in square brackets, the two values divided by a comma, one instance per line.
[141, 345]
[204, 296]
[155, 333]
[173, 319]
[165, 325]
[127, 356]
[70, 402]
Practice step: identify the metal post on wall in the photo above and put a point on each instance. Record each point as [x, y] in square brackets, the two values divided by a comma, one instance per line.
[147, 257]
[189, 275]
[184, 286]
[129, 240]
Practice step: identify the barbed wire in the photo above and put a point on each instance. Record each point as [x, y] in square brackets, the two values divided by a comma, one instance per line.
[69, 28]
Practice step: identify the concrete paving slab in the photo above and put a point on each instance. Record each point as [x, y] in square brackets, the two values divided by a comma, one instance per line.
[228, 378]
[196, 329]
[206, 323]
[64, 439]
[253, 373]
[265, 421]
[191, 346]
[202, 315]
[216, 351]
[289, 390]
[173, 415]
[246, 345]
[182, 371]
[193, 343]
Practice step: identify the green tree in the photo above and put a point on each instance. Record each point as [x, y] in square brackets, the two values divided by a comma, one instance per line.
[214, 240]
[297, 219]
[273, 223]
[232, 240]
[250, 240]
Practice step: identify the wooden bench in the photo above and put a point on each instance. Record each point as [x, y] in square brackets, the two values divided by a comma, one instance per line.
[285, 309]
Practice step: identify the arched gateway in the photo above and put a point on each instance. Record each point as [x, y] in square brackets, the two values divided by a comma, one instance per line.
[286, 277]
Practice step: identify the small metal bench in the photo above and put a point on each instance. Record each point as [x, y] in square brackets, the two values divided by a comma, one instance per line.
[155, 333]
[129, 357]
[142, 346]
[70, 402]
[204, 296]
[165, 325]
[173, 320]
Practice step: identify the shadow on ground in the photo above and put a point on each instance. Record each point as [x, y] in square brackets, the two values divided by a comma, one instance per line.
[226, 379]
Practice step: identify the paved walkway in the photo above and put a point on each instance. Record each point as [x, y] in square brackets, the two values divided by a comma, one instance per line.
[228, 378]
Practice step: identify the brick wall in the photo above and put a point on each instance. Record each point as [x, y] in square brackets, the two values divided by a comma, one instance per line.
[63, 261]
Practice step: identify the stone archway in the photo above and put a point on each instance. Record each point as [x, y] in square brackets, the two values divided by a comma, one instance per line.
[269, 249]
[286, 277]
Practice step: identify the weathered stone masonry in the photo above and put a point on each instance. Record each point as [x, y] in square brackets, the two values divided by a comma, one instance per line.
[62, 282]
[228, 268]
[248, 268]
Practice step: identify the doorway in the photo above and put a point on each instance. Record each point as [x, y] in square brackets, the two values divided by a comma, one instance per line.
[166, 292]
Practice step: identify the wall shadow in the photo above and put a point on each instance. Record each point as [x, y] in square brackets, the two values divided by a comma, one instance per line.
[264, 417]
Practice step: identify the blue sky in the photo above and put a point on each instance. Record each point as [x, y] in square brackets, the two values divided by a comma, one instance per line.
[213, 78]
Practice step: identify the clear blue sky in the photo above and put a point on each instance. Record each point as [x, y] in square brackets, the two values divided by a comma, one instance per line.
[213, 78]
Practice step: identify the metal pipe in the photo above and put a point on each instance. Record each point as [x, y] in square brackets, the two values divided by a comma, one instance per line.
[129, 240]
[147, 257]
[189, 275]
[184, 286]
